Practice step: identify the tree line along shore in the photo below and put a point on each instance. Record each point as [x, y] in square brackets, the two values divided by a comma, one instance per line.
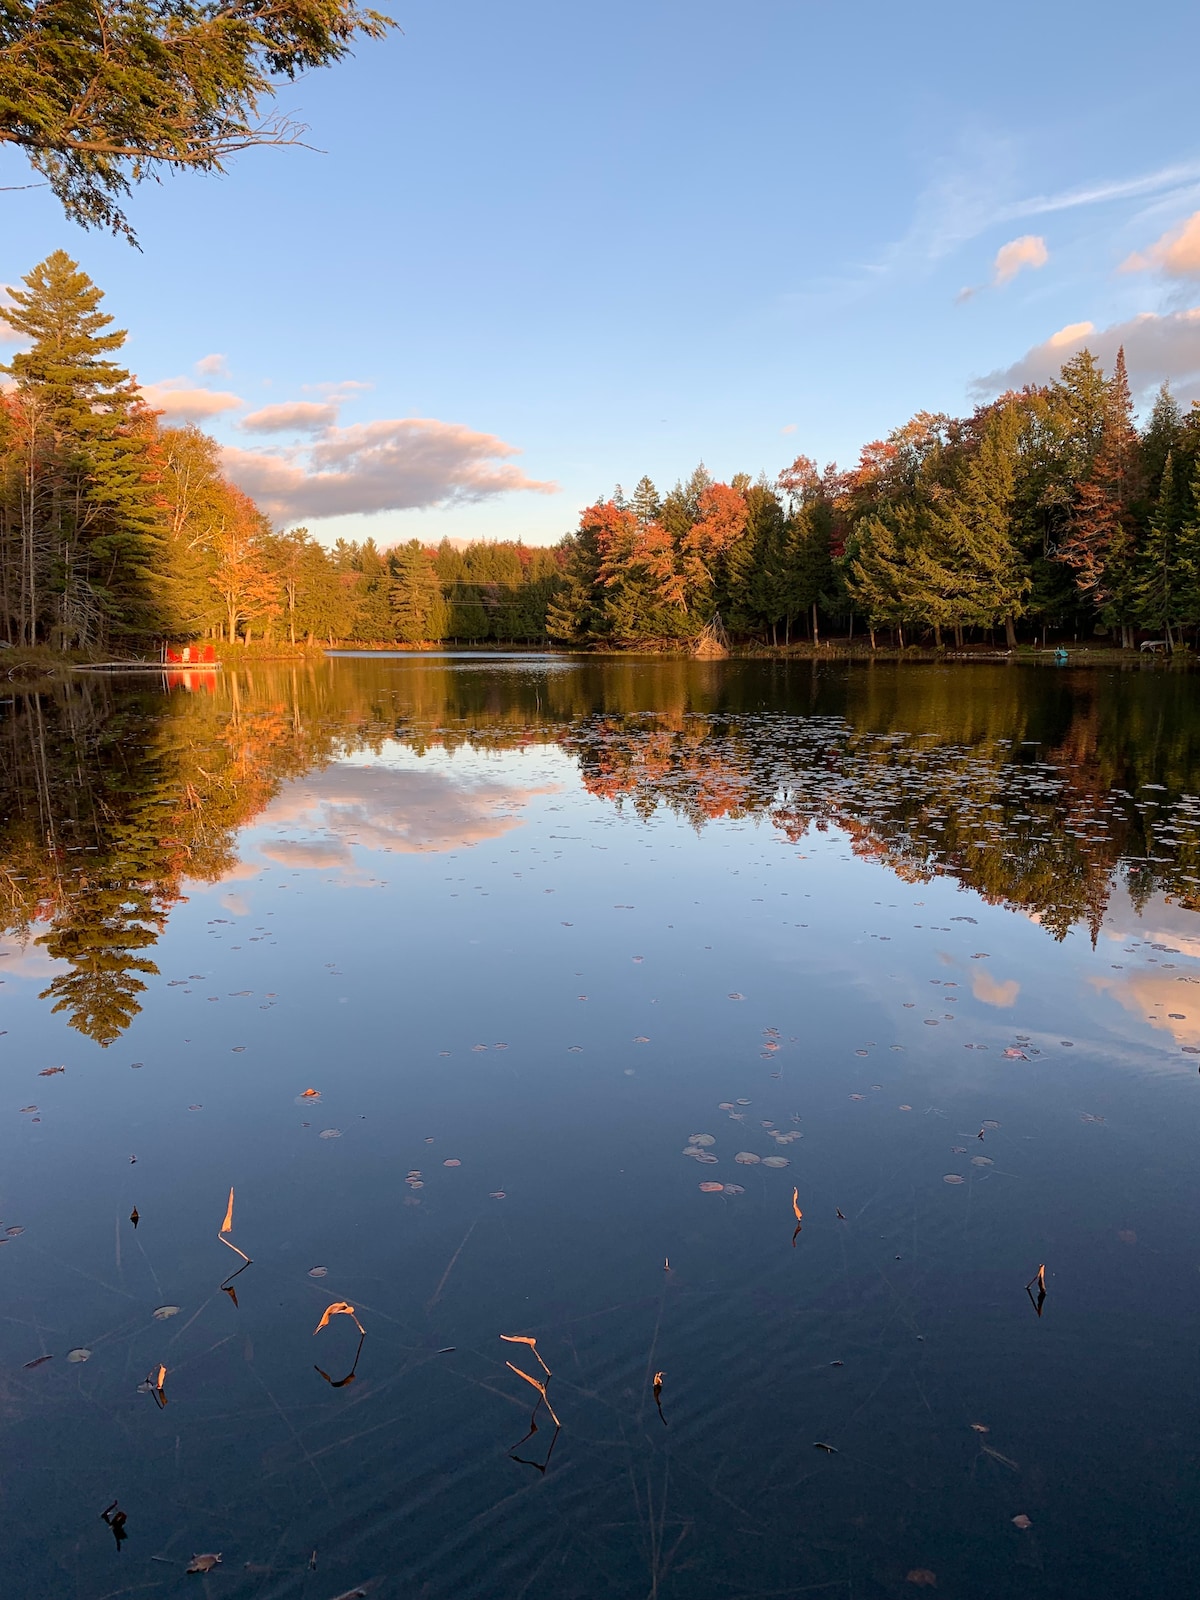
[1047, 516]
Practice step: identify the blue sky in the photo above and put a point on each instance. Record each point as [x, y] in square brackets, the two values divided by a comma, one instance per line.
[562, 246]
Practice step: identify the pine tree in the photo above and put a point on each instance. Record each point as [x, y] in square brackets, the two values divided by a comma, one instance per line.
[1165, 581]
[645, 504]
[1099, 543]
[419, 614]
[89, 523]
[972, 560]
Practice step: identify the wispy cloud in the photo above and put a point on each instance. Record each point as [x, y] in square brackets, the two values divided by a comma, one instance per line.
[395, 464]
[214, 366]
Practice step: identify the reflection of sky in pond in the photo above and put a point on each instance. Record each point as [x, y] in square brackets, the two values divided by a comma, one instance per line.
[554, 954]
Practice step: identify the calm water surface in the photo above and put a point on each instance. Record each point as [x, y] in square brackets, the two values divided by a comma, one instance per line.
[591, 965]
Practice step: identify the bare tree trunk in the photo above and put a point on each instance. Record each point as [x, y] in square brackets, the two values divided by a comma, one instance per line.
[816, 637]
[1010, 633]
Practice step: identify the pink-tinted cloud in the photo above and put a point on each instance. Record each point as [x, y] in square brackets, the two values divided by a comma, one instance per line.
[398, 464]
[1156, 347]
[384, 809]
[214, 366]
[179, 401]
[1177, 253]
[1027, 251]
[313, 853]
[993, 992]
[292, 416]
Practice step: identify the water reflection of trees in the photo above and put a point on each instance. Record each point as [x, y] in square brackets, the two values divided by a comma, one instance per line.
[1028, 788]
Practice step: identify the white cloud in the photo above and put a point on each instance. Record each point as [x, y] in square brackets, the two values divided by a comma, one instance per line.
[1156, 347]
[179, 401]
[1027, 251]
[1177, 252]
[292, 416]
[214, 366]
[382, 809]
[395, 464]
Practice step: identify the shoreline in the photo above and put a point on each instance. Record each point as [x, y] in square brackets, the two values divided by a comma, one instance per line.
[26, 665]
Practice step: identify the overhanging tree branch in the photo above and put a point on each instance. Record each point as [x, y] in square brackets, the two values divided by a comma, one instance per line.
[102, 94]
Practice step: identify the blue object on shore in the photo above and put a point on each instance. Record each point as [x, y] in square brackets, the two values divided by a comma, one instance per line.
[1060, 658]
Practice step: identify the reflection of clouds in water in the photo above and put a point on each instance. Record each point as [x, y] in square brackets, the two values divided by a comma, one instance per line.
[1159, 999]
[28, 960]
[992, 991]
[292, 853]
[238, 873]
[385, 809]
[235, 903]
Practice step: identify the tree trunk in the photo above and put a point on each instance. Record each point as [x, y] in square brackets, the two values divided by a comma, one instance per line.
[871, 631]
[816, 635]
[1010, 633]
[937, 636]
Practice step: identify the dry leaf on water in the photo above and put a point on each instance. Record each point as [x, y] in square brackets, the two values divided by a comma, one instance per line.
[162, 1313]
[527, 1338]
[1022, 1521]
[227, 1225]
[204, 1563]
[922, 1577]
[339, 1308]
[796, 1205]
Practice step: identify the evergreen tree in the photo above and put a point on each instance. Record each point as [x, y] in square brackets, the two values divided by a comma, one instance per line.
[645, 504]
[1099, 546]
[88, 519]
[418, 610]
[1166, 580]
[972, 562]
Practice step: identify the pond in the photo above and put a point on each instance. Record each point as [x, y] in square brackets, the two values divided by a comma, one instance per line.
[686, 1130]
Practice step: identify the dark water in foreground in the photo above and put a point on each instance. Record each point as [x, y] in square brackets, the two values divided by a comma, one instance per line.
[561, 946]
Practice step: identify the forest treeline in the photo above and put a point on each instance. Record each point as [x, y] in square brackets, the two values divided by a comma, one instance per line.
[1046, 513]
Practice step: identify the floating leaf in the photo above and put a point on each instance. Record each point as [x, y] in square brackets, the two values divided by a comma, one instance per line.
[747, 1158]
[38, 1361]
[776, 1161]
[734, 1188]
[953, 1177]
[712, 1188]
[81, 1353]
[330, 1133]
[317, 1272]
[204, 1563]
[310, 1094]
[922, 1577]
[227, 1225]
[162, 1313]
[982, 1161]
[497, 1194]
[796, 1205]
[453, 1162]
[339, 1308]
[1021, 1521]
[701, 1139]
